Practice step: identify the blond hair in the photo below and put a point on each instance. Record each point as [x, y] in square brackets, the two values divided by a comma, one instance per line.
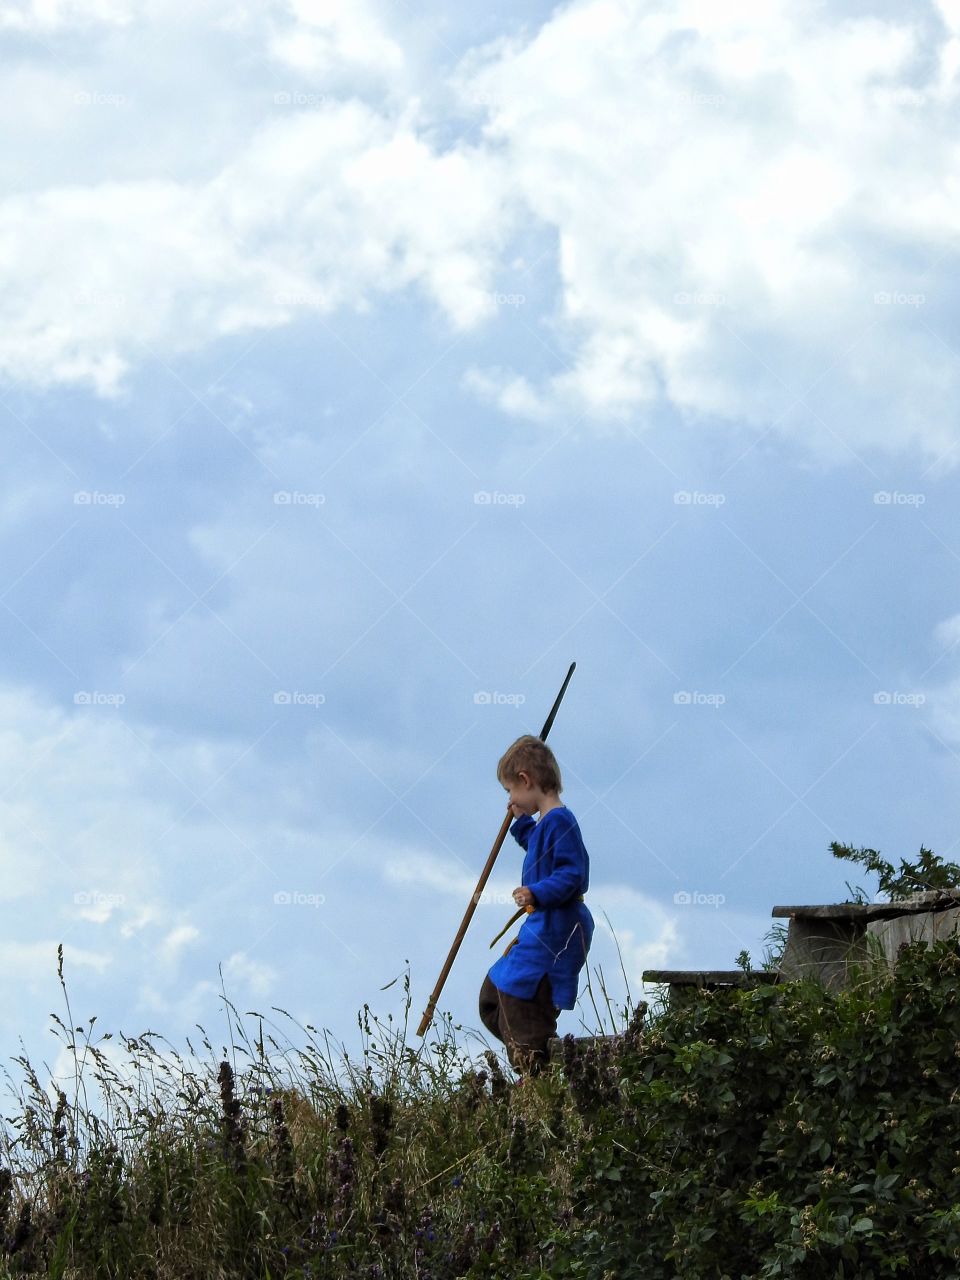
[533, 757]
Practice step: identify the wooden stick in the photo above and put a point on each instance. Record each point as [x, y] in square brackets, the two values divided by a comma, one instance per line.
[513, 920]
[484, 877]
[464, 925]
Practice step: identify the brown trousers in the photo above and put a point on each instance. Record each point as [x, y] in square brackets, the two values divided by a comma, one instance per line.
[524, 1026]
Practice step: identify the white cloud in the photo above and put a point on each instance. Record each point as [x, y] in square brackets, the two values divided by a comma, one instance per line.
[637, 926]
[176, 941]
[947, 633]
[50, 15]
[253, 977]
[942, 701]
[327, 36]
[153, 857]
[949, 11]
[184, 1006]
[730, 187]
[943, 708]
[321, 210]
[98, 834]
[509, 391]
[139, 918]
[34, 962]
[436, 875]
[82, 808]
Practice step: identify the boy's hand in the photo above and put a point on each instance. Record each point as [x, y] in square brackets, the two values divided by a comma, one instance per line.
[523, 897]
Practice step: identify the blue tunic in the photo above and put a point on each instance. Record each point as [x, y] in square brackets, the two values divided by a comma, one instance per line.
[555, 938]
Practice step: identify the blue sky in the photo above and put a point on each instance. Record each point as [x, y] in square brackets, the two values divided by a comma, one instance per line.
[362, 368]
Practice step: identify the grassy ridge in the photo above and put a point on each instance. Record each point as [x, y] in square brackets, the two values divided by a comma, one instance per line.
[782, 1131]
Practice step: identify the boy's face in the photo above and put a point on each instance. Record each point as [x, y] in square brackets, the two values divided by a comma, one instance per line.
[523, 796]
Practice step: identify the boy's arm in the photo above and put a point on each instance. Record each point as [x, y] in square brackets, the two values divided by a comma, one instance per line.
[569, 873]
[521, 830]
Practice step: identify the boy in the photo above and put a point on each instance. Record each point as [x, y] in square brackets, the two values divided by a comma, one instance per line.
[536, 976]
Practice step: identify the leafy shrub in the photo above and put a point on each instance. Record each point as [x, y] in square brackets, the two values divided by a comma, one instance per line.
[782, 1131]
[928, 872]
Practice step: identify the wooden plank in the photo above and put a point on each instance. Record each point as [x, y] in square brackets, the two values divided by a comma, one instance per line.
[710, 977]
[864, 911]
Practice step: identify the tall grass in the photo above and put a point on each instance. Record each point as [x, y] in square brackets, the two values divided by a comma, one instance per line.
[779, 1130]
[276, 1154]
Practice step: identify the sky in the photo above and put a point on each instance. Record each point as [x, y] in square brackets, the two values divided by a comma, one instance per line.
[361, 367]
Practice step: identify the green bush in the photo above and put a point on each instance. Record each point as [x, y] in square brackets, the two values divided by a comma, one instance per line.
[782, 1131]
